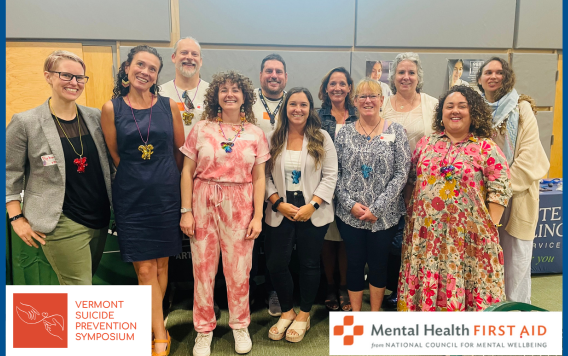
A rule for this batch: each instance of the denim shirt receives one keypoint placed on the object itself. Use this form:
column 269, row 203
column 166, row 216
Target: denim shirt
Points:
column 328, row 122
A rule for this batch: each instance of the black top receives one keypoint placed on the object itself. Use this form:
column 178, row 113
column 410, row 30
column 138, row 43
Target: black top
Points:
column 328, row 122
column 86, row 200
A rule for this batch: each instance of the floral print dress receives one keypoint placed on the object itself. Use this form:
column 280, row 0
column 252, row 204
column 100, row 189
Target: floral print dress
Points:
column 451, row 258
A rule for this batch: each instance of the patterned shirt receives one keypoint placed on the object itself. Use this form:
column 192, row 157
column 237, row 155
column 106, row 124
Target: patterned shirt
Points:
column 388, row 156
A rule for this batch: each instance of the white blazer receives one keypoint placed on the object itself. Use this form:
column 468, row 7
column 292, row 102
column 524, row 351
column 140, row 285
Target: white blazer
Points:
column 315, row 181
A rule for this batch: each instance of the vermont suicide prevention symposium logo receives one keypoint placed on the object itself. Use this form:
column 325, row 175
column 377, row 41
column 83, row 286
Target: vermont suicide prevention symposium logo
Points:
column 40, row 320
column 340, row 330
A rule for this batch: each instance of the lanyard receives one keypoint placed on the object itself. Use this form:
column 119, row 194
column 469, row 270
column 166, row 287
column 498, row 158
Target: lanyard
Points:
column 272, row 115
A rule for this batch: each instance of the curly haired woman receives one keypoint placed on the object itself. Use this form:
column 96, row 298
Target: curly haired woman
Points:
column 517, row 135
column 223, row 180
column 451, row 258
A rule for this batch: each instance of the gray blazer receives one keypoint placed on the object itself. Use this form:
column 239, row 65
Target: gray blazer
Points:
column 316, row 181
column 30, row 135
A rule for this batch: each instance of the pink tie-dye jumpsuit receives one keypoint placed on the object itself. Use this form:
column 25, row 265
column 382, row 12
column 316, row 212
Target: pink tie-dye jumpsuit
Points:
column 222, row 209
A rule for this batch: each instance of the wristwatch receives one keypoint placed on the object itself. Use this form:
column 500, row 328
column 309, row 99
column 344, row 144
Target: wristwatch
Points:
column 315, row 205
column 186, row 210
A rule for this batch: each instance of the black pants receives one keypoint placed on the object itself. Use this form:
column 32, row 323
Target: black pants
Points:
column 258, row 243
column 279, row 244
column 395, row 256
column 366, row 247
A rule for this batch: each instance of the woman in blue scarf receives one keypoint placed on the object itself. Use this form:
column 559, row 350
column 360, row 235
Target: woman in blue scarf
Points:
column 517, row 136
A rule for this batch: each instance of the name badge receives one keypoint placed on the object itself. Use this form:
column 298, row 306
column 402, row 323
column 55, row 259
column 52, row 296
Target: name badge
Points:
column 48, row 160
column 198, row 106
column 387, row 137
column 247, row 137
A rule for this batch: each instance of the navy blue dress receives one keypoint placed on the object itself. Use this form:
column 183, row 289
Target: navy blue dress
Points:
column 146, row 193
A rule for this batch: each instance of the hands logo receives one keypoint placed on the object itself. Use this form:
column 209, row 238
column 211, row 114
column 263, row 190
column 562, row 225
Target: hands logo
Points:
column 49, row 327
column 339, row 330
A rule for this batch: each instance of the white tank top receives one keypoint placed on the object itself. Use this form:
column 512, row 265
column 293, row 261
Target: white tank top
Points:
column 291, row 164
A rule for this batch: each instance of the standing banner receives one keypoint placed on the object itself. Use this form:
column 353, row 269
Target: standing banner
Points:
column 463, row 72
column 547, row 243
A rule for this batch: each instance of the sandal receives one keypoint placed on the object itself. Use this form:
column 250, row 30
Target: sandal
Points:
column 331, row 302
column 282, row 325
column 300, row 327
column 344, row 302
column 166, row 352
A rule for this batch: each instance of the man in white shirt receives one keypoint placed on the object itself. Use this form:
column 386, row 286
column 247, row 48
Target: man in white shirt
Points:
column 187, row 89
column 270, row 95
column 269, row 98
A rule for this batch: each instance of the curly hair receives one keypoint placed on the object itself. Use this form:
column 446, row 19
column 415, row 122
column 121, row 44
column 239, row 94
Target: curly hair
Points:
column 324, row 97
column 508, row 81
column 481, row 119
column 212, row 94
column 119, row 90
column 311, row 131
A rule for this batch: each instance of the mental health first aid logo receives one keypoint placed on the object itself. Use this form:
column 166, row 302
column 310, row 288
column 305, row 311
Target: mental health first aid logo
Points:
column 40, row 320
column 347, row 330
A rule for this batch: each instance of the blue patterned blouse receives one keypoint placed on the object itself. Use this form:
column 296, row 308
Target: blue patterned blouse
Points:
column 386, row 160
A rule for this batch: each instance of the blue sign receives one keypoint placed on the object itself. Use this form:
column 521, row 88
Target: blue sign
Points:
column 547, row 245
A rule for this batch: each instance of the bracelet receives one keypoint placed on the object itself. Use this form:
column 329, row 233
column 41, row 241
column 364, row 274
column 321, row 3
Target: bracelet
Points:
column 16, row 217
column 276, row 203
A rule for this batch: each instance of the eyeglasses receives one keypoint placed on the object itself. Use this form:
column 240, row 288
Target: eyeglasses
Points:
column 364, row 97
column 187, row 101
column 83, row 79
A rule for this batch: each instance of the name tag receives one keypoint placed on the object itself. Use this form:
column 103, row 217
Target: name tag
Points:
column 387, row 137
column 198, row 106
column 247, row 137
column 48, row 160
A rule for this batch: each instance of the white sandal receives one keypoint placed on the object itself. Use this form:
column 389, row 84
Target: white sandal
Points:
column 282, row 325
column 300, row 327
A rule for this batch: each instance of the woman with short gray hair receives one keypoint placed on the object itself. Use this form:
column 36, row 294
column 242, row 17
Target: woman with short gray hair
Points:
column 414, row 110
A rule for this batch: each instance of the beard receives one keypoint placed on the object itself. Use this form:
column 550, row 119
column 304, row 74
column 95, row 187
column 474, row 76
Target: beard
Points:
column 187, row 73
column 273, row 92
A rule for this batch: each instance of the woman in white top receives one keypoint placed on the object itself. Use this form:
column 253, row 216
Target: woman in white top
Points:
column 414, row 110
column 301, row 175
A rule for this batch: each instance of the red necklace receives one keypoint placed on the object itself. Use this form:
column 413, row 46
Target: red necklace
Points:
column 81, row 162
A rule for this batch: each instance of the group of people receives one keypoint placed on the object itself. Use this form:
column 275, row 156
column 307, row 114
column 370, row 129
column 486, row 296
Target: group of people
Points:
column 439, row 198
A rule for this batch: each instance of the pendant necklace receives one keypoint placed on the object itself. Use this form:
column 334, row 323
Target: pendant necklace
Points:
column 81, row 162
column 187, row 103
column 227, row 145
column 449, row 169
column 146, row 149
column 411, row 103
column 367, row 169
column 296, row 173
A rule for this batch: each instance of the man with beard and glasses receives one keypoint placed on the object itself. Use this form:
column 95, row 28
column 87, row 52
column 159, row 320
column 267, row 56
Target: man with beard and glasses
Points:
column 188, row 89
column 268, row 102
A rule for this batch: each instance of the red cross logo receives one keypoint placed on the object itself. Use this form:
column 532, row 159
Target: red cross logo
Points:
column 338, row 330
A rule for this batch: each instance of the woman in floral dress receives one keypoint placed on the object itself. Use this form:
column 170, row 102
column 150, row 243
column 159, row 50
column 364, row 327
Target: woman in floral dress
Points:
column 451, row 258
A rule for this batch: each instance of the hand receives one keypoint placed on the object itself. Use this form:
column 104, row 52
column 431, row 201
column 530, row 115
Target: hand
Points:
column 304, row 213
column 23, row 229
column 368, row 216
column 358, row 210
column 254, row 229
column 187, row 224
column 288, row 210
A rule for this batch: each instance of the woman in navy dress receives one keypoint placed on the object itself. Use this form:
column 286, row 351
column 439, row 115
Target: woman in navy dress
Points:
column 143, row 132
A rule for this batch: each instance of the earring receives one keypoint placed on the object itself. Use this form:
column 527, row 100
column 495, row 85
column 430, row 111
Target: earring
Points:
column 441, row 123
column 243, row 118
column 219, row 114
column 125, row 82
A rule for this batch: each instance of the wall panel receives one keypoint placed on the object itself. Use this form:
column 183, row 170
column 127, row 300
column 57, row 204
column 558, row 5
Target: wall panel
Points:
column 435, row 23
column 305, row 68
column 536, row 76
column 98, row 60
column 252, row 22
column 26, row 87
column 135, row 20
column 539, row 24
column 545, row 121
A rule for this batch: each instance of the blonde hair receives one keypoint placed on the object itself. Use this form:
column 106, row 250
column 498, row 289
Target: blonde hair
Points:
column 370, row 84
column 56, row 56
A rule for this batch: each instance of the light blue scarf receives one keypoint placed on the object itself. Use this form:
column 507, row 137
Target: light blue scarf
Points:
column 507, row 108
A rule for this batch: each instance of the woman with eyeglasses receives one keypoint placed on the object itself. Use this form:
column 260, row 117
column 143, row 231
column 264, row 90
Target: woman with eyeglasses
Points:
column 56, row 154
column 374, row 160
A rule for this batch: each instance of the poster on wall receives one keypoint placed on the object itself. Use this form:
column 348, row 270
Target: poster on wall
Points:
column 379, row 71
column 463, row 72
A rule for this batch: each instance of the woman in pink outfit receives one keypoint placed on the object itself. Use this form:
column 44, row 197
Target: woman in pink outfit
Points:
column 223, row 180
